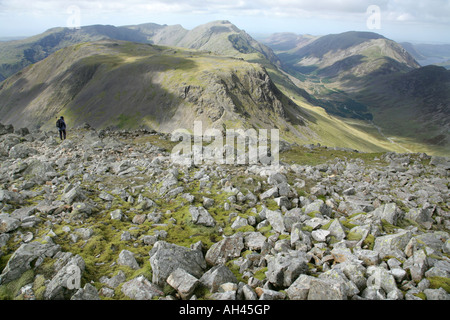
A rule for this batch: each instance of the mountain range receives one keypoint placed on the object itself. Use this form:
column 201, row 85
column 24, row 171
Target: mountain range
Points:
column 374, row 78
column 356, row 89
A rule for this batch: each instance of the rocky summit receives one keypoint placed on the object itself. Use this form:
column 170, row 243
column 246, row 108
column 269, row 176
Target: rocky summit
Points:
column 109, row 215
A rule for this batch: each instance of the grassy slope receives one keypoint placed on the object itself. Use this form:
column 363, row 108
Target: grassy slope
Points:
column 169, row 71
column 322, row 128
column 128, row 84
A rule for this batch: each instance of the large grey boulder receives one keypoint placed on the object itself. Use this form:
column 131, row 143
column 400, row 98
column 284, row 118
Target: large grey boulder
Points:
column 126, row 258
column 268, row 294
column 441, row 162
column 276, row 220
column 299, row 290
column 114, row 281
column 28, row 256
column 336, row 274
column 201, row 216
column 284, row 268
column 337, row 230
column 254, row 240
column 183, row 282
column 368, row 257
column 89, row 292
column 41, row 170
column 165, row 258
column 6, row 129
column 436, row 294
column 326, row 289
column 7, row 196
column 389, row 212
column 318, row 206
column 392, row 243
column 67, row 280
column 380, row 278
column 21, row 151
column 74, row 194
column 8, row 223
column 216, row 276
column 225, row 250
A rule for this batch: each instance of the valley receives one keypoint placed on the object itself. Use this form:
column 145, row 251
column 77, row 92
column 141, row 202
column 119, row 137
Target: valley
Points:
column 351, row 204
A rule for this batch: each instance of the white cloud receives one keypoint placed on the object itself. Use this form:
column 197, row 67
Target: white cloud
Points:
column 421, row 9
column 351, row 13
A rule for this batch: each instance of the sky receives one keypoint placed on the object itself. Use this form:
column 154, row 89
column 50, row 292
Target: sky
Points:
column 418, row 21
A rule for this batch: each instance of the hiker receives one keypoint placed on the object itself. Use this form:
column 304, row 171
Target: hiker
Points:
column 61, row 125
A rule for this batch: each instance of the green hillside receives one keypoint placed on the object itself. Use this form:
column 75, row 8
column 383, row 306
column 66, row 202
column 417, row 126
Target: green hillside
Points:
column 364, row 76
column 130, row 85
column 348, row 90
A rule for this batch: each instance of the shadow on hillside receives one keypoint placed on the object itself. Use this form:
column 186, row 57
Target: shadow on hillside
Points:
column 101, row 90
column 124, row 93
column 15, row 98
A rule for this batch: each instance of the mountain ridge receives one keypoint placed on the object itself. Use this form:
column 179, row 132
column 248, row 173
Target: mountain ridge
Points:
column 15, row 55
column 146, row 77
column 368, row 76
column 349, row 64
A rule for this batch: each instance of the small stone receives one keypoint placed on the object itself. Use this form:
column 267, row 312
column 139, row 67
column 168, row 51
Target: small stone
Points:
column 126, row 258
column 183, row 282
column 140, row 289
column 320, row 235
column 327, row 289
column 139, row 218
column 201, row 216
column 116, row 214
column 217, row 276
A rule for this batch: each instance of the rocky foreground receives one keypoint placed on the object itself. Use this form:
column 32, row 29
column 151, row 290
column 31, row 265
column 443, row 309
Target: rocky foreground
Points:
column 108, row 215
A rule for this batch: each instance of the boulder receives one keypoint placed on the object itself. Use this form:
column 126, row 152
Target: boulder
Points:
column 67, row 280
column 239, row 222
column 225, row 250
column 271, row 193
column 380, row 278
column 284, row 268
column 126, row 258
column 21, row 151
column 216, row 276
column 276, row 220
column 436, row 294
column 26, row 257
column 299, row 290
column 389, row 212
column 183, row 282
column 441, row 162
column 368, row 257
column 318, row 206
column 6, row 129
column 8, row 223
column 140, row 288
column 165, row 258
column 320, row 235
column 268, row 294
column 201, row 216
column 326, row 289
column 392, row 244
column 89, row 292
column 254, row 241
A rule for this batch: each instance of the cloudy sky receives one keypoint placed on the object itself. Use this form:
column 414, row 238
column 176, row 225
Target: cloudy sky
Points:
column 401, row 20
